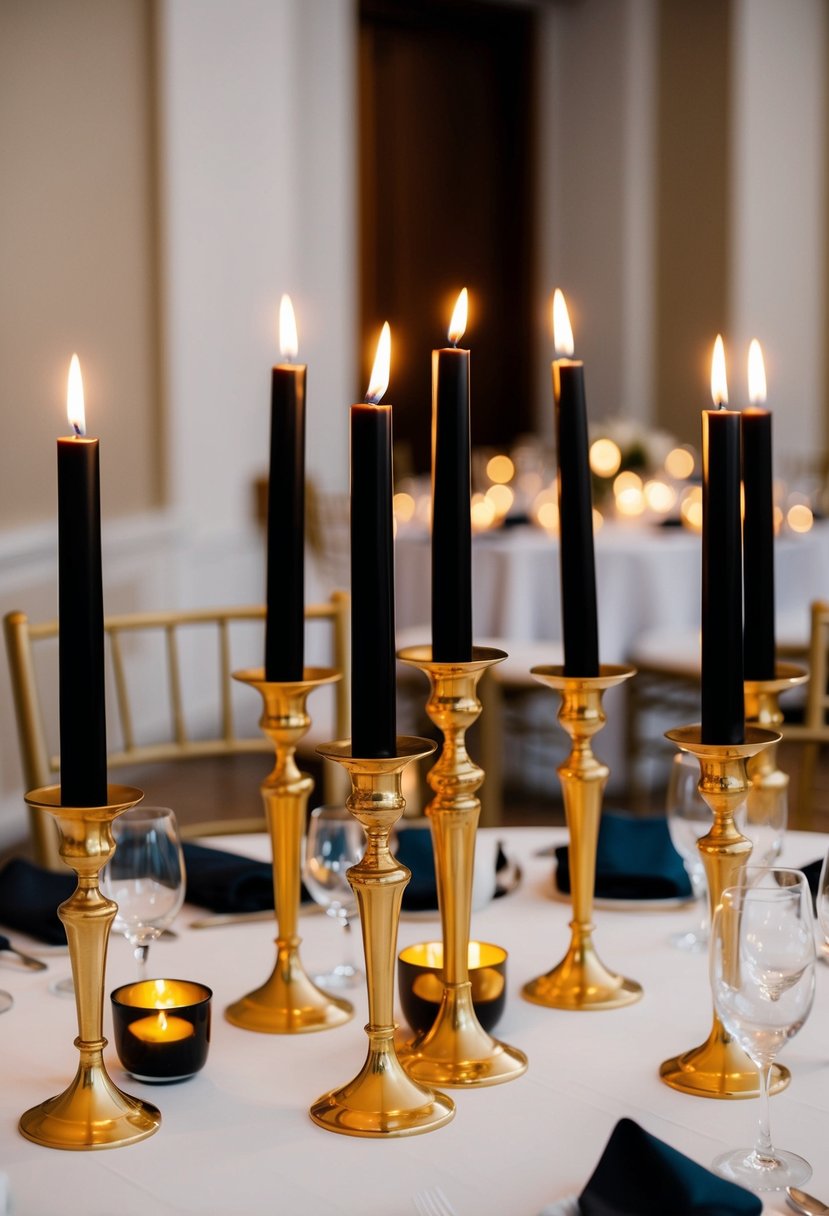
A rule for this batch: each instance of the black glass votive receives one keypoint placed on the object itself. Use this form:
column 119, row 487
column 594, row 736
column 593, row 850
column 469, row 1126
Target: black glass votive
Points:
column 420, row 982
column 162, row 1028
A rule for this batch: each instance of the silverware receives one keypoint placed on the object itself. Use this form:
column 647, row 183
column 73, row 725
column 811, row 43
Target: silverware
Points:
column 34, row 964
column 804, row 1203
column 231, row 918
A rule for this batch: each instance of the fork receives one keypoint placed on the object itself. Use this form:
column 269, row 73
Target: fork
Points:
column 433, row 1202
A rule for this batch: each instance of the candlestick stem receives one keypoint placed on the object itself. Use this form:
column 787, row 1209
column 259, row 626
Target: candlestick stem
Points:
column 581, row 980
column 381, row 1101
column 456, row 1050
column 768, row 792
column 288, row 1002
column 92, row 1112
column 719, row 1068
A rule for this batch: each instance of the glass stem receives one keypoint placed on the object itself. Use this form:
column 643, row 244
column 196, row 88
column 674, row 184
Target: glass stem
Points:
column 763, row 1149
column 348, row 952
column 140, row 951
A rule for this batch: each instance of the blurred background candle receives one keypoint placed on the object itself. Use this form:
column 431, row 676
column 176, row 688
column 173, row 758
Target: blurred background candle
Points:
column 578, row 573
column 758, row 525
column 373, row 690
column 451, row 491
column 83, row 770
column 723, row 709
column 285, row 618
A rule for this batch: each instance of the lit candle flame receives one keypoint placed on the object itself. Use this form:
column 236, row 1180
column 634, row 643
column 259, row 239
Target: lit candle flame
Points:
column 719, row 384
column 288, row 341
column 162, row 1021
column 74, row 398
column 756, row 374
column 562, row 329
column 457, row 326
column 379, row 381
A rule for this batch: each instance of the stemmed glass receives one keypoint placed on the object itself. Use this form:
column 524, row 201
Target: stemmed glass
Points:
column 763, row 983
column 335, row 841
column 688, row 819
column 822, row 903
column 764, row 823
column 145, row 877
column 6, row 1000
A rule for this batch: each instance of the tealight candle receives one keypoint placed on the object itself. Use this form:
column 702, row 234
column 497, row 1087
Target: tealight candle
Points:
column 162, row 1028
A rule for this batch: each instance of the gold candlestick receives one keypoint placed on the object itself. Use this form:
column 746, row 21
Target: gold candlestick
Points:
column 718, row 1068
column 92, row 1112
column 289, row 1002
column 381, row 1100
column 768, row 784
column 581, row 980
column 456, row 1051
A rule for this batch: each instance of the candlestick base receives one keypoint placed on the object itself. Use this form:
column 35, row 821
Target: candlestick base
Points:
column 381, row 1101
column 288, row 1002
column 581, row 980
column 92, row 1113
column 718, row 1068
column 456, row 1051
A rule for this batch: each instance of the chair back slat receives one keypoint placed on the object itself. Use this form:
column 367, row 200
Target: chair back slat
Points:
column 122, row 698
column 174, row 678
column 226, row 692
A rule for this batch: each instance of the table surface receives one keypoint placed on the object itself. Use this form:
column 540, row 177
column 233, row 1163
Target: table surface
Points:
column 237, row 1137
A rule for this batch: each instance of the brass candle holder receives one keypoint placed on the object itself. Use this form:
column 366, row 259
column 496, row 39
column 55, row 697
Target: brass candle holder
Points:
column 581, row 980
column 719, row 1068
column 92, row 1112
column 381, row 1101
column 768, row 784
column 456, row 1050
column 289, row 1002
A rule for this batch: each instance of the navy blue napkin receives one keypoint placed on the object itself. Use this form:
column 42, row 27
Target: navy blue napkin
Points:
column 635, row 859
column 413, row 848
column 640, row 1175
column 812, row 874
column 29, row 899
column 226, row 882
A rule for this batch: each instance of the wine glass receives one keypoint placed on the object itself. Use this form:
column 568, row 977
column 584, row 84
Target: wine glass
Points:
column 6, row 1000
column 764, row 823
column 145, row 877
column 763, row 983
column 335, row 841
column 689, row 817
column 822, row 904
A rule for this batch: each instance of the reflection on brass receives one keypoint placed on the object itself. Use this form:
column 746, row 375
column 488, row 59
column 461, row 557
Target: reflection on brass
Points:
column 92, row 1112
column 381, row 1101
column 718, row 1068
column 768, row 784
column 456, row 1050
column 288, row 1002
column 581, row 980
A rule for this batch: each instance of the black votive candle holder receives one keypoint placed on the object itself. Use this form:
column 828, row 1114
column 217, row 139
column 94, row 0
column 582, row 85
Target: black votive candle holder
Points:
column 162, row 1028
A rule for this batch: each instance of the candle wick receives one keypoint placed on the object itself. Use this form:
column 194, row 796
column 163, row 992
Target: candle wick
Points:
column 76, row 429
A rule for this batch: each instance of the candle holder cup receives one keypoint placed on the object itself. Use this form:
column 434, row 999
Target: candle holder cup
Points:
column 288, row 1002
column 92, row 1113
column 456, row 1050
column 719, row 1068
column 382, row 1100
column 768, row 784
column 581, row 980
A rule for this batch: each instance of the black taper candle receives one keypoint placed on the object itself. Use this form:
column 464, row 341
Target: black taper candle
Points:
column 451, row 523
column 83, row 767
column 758, row 545
column 373, row 673
column 579, row 620
column 723, row 707
column 285, row 617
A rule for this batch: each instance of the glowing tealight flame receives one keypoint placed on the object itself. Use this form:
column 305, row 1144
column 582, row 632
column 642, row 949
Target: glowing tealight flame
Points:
column 799, row 517
column 162, row 1021
column 403, row 506
column 690, row 508
column 457, row 326
column 74, row 398
column 562, row 329
column 659, row 496
column 482, row 513
column 500, row 469
column 605, row 457
column 501, row 497
column 379, row 381
column 756, row 373
column 288, row 341
column 719, row 384
column 679, row 463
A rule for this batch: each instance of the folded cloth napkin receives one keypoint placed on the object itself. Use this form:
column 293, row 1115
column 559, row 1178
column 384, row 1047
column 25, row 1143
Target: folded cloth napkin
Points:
column 29, row 899
column 414, row 849
column 635, row 859
column 812, row 873
column 226, row 882
column 639, row 1175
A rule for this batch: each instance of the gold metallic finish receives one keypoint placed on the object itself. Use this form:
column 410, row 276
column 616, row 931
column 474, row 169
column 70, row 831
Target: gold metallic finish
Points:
column 581, row 980
column 92, row 1112
column 768, row 784
column 381, row 1101
column 718, row 1068
column 288, row 1002
column 456, row 1051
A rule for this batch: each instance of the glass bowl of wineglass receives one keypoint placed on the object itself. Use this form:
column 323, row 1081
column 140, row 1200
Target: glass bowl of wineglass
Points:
column 335, row 841
column 145, row 877
column 763, row 983
column 689, row 817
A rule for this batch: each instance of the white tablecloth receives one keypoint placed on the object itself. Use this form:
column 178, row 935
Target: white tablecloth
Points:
column 237, row 1138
